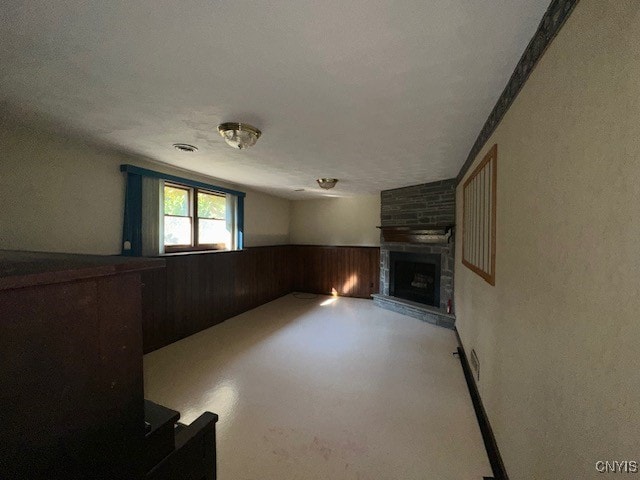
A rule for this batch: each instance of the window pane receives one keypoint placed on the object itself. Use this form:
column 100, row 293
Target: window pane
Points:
column 177, row 230
column 176, row 201
column 213, row 231
column 211, row 206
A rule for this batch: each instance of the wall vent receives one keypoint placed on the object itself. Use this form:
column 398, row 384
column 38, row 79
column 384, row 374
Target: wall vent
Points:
column 475, row 364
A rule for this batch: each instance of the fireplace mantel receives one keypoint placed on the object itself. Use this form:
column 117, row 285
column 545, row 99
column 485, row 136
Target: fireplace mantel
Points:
column 417, row 233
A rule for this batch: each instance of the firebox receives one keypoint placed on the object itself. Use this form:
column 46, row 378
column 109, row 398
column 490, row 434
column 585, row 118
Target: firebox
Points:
column 415, row 276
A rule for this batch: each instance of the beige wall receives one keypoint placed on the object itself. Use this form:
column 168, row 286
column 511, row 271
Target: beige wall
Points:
column 336, row 221
column 558, row 337
column 60, row 194
column 266, row 219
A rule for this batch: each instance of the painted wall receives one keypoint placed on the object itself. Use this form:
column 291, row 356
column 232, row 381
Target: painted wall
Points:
column 266, row 219
column 61, row 194
column 336, row 221
column 558, row 335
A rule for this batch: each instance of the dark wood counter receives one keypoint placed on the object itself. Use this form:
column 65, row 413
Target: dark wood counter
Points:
column 27, row 269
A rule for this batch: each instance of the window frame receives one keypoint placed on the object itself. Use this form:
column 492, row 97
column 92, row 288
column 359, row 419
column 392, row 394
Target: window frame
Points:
column 475, row 217
column 195, row 245
column 132, row 222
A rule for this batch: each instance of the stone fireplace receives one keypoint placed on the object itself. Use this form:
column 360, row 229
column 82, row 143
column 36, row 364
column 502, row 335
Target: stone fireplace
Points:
column 417, row 251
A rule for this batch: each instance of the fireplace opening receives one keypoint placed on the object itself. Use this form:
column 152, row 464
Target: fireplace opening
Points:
column 416, row 277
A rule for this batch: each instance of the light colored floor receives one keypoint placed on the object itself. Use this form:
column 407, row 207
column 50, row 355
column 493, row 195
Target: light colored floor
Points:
column 328, row 388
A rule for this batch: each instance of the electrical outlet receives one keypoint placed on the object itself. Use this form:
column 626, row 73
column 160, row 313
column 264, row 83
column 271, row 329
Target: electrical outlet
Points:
column 475, row 364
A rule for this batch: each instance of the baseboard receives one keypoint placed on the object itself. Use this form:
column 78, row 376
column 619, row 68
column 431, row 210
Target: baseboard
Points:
column 495, row 459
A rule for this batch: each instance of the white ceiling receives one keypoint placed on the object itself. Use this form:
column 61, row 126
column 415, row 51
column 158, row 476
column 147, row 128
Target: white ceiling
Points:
column 380, row 94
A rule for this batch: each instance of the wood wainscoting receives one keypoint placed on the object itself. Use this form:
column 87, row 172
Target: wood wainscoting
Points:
column 350, row 271
column 199, row 290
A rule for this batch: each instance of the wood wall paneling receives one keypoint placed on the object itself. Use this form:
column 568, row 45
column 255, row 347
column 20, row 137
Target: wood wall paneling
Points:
column 155, row 321
column 351, row 271
column 197, row 291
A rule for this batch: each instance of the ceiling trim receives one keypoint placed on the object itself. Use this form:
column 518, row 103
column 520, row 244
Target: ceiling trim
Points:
column 551, row 23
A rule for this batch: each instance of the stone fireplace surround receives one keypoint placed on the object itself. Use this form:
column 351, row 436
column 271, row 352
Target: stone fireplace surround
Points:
column 426, row 204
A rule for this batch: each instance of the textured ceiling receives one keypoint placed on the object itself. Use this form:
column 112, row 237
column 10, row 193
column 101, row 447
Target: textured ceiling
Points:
column 380, row 94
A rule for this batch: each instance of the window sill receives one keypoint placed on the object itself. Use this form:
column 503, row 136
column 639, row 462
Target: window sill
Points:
column 197, row 252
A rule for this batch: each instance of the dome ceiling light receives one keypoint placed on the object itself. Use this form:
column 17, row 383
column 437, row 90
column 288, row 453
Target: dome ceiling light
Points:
column 327, row 183
column 239, row 135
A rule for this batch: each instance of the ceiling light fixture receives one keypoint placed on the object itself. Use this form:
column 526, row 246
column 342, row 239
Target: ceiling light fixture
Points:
column 185, row 147
column 239, row 135
column 327, row 183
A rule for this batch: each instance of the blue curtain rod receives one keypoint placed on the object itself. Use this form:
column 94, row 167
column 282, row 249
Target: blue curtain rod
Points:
column 172, row 178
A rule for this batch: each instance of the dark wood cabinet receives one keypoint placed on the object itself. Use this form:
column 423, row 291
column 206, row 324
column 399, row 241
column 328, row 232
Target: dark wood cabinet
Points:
column 71, row 399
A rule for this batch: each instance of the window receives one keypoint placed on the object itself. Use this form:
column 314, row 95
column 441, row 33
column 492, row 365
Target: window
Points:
column 165, row 213
column 195, row 219
column 479, row 218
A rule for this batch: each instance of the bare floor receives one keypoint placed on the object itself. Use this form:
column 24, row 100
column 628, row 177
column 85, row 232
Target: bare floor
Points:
column 325, row 388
